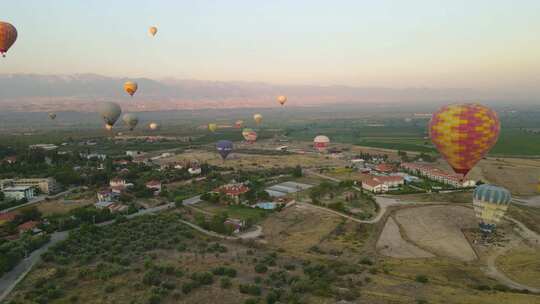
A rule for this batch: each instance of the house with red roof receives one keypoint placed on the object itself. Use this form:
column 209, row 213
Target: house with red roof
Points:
column 385, row 168
column 7, row 217
column 233, row 191
column 28, row 226
column 10, row 159
column 381, row 184
column 155, row 186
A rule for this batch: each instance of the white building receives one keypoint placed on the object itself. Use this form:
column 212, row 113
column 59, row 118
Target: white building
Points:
column 19, row 192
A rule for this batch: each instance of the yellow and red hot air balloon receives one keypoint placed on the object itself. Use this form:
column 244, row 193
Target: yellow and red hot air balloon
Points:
column 152, row 31
column 130, row 87
column 282, row 99
column 249, row 135
column 8, row 36
column 464, row 133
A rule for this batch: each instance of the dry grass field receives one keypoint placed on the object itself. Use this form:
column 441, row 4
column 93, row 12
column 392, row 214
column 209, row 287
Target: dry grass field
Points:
column 61, row 206
column 438, row 229
column 522, row 264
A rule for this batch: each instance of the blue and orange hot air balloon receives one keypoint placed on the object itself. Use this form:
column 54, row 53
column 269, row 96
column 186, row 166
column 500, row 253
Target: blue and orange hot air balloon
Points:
column 464, row 133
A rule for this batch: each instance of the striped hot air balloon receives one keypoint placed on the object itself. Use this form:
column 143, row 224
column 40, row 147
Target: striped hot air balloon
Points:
column 464, row 133
column 490, row 204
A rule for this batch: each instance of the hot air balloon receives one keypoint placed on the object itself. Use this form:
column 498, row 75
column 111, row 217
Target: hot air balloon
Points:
column 490, row 204
column 52, row 116
column 282, row 99
column 258, row 118
column 130, row 87
column 464, row 133
column 224, row 148
column 212, row 127
column 8, row 36
column 152, row 31
column 238, row 124
column 131, row 120
column 110, row 112
column 154, row 126
column 321, row 143
column 249, row 135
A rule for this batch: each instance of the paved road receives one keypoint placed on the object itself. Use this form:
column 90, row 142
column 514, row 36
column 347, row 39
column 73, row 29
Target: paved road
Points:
column 530, row 202
column 39, row 199
column 9, row 280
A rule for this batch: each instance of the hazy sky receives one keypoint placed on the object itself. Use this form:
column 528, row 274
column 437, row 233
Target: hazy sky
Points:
column 400, row 43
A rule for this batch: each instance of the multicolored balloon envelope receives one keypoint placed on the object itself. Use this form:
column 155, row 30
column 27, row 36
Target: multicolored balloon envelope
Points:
column 258, row 118
column 321, row 142
column 464, row 133
column 282, row 99
column 224, row 148
column 249, row 135
column 490, row 204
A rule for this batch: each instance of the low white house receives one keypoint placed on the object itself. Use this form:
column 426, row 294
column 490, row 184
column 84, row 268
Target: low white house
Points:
column 374, row 186
column 19, row 192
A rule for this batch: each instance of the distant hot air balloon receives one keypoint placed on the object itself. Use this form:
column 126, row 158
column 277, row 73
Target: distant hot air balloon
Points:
column 110, row 112
column 212, row 127
column 238, row 124
column 154, row 126
column 130, row 87
column 8, row 36
column 464, row 133
column 131, row 120
column 490, row 204
column 52, row 116
column 258, row 118
column 152, row 31
column 224, row 148
column 249, row 135
column 321, row 143
column 282, row 99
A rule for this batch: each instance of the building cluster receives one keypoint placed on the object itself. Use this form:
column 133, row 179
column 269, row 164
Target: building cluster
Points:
column 381, row 177
column 436, row 174
column 25, row 188
column 232, row 191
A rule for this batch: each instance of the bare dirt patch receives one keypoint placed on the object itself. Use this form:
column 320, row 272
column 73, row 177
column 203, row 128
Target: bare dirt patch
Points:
column 438, row 229
column 391, row 244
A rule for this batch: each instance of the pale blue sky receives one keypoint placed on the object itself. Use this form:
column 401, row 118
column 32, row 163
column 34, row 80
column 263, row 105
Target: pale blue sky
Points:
column 400, row 43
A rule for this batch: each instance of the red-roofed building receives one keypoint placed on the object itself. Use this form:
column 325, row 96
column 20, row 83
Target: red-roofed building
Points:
column 381, row 184
column 154, row 185
column 233, row 190
column 7, row 217
column 385, row 168
column 10, row 159
column 439, row 175
column 28, row 226
column 374, row 186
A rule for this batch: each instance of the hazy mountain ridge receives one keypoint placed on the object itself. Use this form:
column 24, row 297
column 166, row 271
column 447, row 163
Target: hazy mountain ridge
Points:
column 31, row 92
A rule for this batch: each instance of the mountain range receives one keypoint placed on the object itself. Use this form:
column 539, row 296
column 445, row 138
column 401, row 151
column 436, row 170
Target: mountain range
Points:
column 81, row 92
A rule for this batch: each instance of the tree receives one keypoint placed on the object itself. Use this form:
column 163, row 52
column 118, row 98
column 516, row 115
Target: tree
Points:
column 297, row 172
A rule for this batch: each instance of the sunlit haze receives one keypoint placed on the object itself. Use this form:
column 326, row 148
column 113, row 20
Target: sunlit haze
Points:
column 436, row 44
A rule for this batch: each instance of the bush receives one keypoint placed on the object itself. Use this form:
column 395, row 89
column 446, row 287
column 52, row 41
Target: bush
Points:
column 251, row 301
column 501, row 288
column 422, row 279
column 366, row 261
column 261, row 268
column 203, row 278
column 188, row 287
column 225, row 283
column 250, row 289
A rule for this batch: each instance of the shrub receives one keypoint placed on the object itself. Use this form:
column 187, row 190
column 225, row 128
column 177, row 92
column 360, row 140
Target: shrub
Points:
column 366, row 261
column 501, row 288
column 225, row 283
column 250, row 289
column 188, row 287
column 203, row 278
column 422, row 279
column 261, row 268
